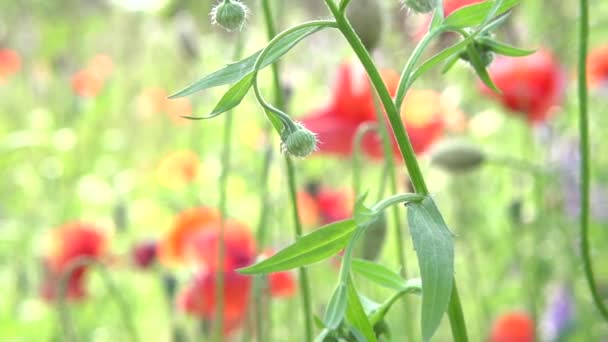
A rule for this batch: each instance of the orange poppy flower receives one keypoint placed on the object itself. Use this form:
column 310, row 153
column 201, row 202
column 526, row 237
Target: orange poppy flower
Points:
column 176, row 108
column 597, row 67
column 68, row 244
column 10, row 63
column 102, row 65
column 513, row 327
column 87, row 83
column 172, row 247
column 151, row 101
column 178, row 169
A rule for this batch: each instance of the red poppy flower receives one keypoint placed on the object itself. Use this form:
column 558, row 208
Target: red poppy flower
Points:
column 353, row 105
column 144, row 253
column 70, row 243
column 177, row 169
column 334, row 205
column 87, row 83
column 597, row 67
column 198, row 299
column 513, row 327
column 529, row 85
column 281, row 284
column 10, row 62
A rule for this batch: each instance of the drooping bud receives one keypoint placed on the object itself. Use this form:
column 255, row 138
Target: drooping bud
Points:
column 483, row 50
column 229, row 14
column 421, row 6
column 371, row 246
column 457, row 156
column 299, row 142
column 366, row 18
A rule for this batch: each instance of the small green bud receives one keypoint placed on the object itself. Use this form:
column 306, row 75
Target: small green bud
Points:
column 457, row 156
column 229, row 14
column 366, row 18
column 300, row 142
column 483, row 50
column 371, row 246
column 421, row 6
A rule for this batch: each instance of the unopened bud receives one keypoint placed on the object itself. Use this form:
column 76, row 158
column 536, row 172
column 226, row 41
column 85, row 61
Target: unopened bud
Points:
column 421, row 6
column 230, row 14
column 366, row 18
column 300, row 142
column 457, row 156
column 371, row 246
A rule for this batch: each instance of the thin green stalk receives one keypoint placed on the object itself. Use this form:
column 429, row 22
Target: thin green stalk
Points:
column 405, row 146
column 223, row 184
column 303, row 276
column 584, row 151
column 291, row 178
column 356, row 160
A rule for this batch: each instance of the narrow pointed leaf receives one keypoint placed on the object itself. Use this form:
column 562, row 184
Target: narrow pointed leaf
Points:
column 475, row 14
column 235, row 71
column 356, row 316
column 336, row 308
column 434, row 247
column 308, row 249
column 231, row 98
column 505, row 49
column 379, row 274
column 480, row 69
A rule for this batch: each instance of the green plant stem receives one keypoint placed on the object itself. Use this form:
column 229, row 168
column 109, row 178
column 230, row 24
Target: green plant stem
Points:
column 357, row 154
column 584, row 152
column 291, row 177
column 303, row 275
column 223, row 184
column 405, row 146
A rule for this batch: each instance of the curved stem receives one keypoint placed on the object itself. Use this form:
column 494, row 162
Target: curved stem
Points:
column 584, row 151
column 405, row 146
column 356, row 160
column 291, row 173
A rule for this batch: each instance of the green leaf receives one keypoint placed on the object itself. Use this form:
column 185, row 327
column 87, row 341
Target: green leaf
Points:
column 379, row 274
column 231, row 98
column 475, row 14
column 480, row 69
column 235, row 71
column 505, row 49
column 434, row 247
column 356, row 316
column 438, row 58
column 308, row 249
column 336, row 307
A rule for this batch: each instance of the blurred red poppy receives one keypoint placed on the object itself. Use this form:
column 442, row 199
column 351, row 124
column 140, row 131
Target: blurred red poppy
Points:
column 172, row 247
column 353, row 105
column 144, row 253
column 10, row 63
column 597, row 67
column 71, row 242
column 281, row 284
column 87, row 83
column 513, row 327
column 529, row 85
column 198, row 299
column 323, row 205
column 177, row 169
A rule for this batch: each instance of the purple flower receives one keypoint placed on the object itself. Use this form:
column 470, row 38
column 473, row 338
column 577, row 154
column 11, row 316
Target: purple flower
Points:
column 558, row 315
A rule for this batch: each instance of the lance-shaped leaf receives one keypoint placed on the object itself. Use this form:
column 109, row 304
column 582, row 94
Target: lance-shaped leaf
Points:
column 434, row 247
column 236, row 71
column 480, row 68
column 308, row 249
column 336, row 307
column 475, row 14
column 355, row 314
column 379, row 274
column 505, row 49
column 231, row 98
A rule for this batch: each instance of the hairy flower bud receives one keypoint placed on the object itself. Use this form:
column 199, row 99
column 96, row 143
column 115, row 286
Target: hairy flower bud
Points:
column 300, row 142
column 457, row 156
column 366, row 18
column 421, row 6
column 230, row 14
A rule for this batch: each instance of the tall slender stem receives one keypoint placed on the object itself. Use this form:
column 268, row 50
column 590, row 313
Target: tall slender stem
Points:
column 291, row 179
column 584, row 151
column 405, row 146
column 223, row 183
